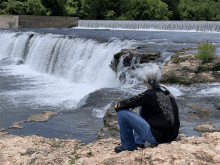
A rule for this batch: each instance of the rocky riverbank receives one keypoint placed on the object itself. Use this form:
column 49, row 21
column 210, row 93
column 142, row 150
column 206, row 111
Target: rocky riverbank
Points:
column 16, row 150
column 185, row 68
column 39, row 150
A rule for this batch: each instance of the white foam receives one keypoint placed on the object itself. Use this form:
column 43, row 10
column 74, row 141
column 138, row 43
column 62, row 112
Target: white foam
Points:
column 149, row 29
column 45, row 90
column 100, row 113
column 210, row 91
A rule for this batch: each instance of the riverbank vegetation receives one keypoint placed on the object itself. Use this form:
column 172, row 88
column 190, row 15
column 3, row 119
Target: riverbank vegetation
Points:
column 195, row 10
column 206, row 51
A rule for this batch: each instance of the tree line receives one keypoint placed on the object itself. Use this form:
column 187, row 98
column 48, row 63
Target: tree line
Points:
column 208, row 10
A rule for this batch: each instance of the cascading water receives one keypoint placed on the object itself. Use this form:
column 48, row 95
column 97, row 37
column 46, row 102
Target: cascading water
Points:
column 161, row 25
column 78, row 60
column 83, row 65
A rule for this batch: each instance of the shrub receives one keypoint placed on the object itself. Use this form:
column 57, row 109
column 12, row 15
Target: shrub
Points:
column 205, row 51
column 175, row 59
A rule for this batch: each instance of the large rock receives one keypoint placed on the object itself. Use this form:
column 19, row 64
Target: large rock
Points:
column 45, row 116
column 39, row 150
column 185, row 68
column 134, row 56
column 11, row 61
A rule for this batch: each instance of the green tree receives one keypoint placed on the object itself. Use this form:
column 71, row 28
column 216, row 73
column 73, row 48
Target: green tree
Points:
column 34, row 7
column 72, row 8
column 91, row 9
column 13, row 7
column 215, row 8
column 172, row 6
column 190, row 10
column 56, row 7
column 147, row 10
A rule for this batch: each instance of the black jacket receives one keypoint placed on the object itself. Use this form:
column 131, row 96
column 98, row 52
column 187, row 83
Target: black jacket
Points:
column 160, row 110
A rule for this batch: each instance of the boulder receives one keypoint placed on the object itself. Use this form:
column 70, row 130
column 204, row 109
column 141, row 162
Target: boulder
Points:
column 45, row 116
column 186, row 69
column 134, row 56
column 207, row 127
column 110, row 120
column 11, row 61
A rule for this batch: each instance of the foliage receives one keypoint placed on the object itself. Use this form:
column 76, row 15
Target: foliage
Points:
column 34, row 7
column 147, row 10
column 175, row 58
column 117, row 9
column 205, row 51
column 90, row 9
column 198, row 10
column 72, row 8
column 56, row 7
column 13, row 7
column 172, row 6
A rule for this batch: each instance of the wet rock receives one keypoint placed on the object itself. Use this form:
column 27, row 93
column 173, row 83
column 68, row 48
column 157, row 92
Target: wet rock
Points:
column 199, row 111
column 110, row 120
column 11, row 61
column 217, row 106
column 32, row 35
column 207, row 127
column 102, row 29
column 134, row 56
column 2, row 129
column 185, row 68
column 45, row 116
column 15, row 125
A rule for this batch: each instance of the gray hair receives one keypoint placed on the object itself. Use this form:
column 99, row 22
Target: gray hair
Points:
column 151, row 71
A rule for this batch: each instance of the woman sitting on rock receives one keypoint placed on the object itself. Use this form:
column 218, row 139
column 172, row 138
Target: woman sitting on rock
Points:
column 158, row 120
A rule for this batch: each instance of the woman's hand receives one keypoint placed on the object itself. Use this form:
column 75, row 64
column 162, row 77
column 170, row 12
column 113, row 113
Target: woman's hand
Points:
column 116, row 105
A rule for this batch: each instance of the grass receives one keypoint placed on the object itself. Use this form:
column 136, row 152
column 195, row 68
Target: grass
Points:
column 33, row 160
column 205, row 51
column 55, row 145
column 76, row 156
column 152, row 146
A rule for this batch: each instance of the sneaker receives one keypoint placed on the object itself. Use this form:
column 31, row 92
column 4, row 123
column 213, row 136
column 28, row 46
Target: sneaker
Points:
column 119, row 149
column 140, row 145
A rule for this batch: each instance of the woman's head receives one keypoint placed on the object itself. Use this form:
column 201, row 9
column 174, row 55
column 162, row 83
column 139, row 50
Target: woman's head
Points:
column 151, row 75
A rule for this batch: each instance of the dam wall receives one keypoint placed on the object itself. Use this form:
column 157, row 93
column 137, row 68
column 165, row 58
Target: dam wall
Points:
column 32, row 21
column 9, row 21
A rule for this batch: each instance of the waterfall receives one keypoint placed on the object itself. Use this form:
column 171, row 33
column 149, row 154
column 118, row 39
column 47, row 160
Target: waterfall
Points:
column 78, row 60
column 161, row 25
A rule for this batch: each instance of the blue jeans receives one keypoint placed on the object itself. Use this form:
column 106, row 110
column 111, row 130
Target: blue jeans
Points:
column 128, row 121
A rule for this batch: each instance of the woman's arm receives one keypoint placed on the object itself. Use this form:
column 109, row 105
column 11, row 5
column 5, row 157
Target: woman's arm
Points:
column 135, row 101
